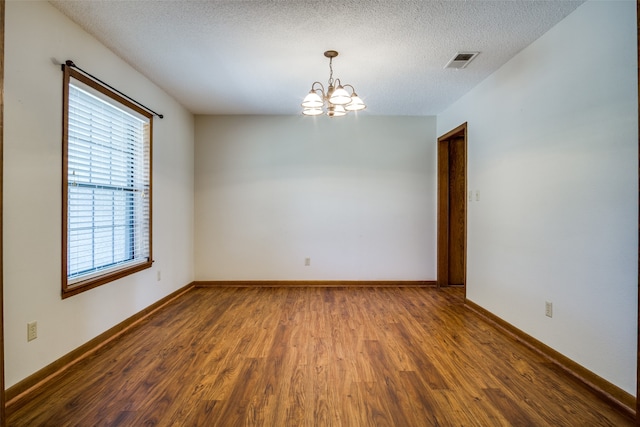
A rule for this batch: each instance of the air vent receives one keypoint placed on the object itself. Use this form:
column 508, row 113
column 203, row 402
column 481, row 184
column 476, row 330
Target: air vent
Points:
column 461, row 60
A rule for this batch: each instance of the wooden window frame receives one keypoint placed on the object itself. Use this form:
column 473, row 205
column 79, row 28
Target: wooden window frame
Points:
column 118, row 273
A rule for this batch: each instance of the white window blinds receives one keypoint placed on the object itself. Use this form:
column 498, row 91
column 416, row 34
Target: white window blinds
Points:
column 108, row 174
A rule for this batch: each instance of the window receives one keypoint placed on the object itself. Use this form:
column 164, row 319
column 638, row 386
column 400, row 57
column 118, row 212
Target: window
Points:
column 106, row 185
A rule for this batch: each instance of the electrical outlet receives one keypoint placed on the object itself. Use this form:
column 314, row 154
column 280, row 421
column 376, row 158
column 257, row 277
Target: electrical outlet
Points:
column 32, row 331
column 548, row 309
column 159, row 276
column 307, row 262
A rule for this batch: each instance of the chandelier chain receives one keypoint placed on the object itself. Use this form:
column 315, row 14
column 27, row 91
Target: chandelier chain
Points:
column 330, row 71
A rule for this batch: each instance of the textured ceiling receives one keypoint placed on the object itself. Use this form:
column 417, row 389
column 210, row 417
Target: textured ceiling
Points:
column 260, row 57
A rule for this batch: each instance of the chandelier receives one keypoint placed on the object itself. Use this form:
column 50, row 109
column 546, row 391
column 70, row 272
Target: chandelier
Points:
column 336, row 100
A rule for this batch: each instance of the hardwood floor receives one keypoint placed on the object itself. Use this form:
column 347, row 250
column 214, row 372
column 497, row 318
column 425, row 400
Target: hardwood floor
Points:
column 316, row 357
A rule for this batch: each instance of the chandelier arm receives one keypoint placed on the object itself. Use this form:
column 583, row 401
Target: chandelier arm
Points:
column 353, row 90
column 321, row 88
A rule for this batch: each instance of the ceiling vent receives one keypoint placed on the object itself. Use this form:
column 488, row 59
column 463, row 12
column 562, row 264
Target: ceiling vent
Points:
column 461, row 60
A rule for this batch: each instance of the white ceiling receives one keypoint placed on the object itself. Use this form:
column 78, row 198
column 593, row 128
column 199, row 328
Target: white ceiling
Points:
column 261, row 56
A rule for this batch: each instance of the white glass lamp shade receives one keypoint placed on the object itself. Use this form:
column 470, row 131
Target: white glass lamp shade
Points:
column 312, row 100
column 340, row 96
column 312, row 111
column 356, row 104
column 336, row 111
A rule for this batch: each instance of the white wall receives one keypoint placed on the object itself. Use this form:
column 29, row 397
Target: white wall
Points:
column 355, row 194
column 36, row 36
column 553, row 150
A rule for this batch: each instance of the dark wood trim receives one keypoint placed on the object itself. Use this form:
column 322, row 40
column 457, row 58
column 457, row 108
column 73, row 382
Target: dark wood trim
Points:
column 20, row 393
column 312, row 283
column 2, row 393
column 105, row 91
column 80, row 287
column 66, row 76
column 443, row 214
column 93, row 282
column 454, row 132
column 443, row 203
column 609, row 392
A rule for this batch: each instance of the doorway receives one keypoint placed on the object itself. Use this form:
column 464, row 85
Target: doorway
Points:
column 452, row 208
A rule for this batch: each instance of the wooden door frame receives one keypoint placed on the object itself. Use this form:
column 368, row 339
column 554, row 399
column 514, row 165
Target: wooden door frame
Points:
column 443, row 205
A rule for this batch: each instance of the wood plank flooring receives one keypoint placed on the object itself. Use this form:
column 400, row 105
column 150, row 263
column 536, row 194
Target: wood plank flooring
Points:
column 316, row 357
